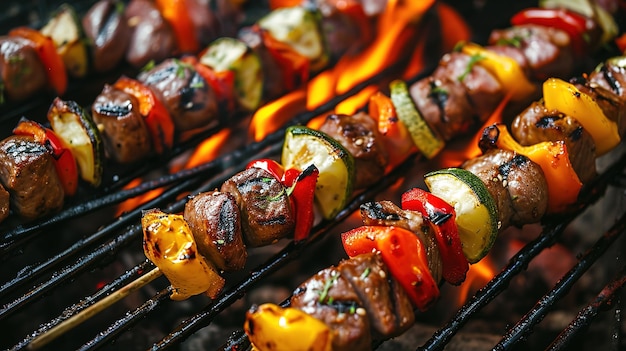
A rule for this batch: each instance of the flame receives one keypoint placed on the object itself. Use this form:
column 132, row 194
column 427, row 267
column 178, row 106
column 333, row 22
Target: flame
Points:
column 272, row 115
column 136, row 201
column 477, row 276
column 208, row 150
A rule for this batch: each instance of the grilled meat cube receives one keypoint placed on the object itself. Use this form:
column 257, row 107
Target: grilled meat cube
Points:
column 152, row 36
column 205, row 21
column 483, row 88
column 125, row 134
column 5, row 205
column 215, row 222
column 389, row 309
column 358, row 133
column 515, row 182
column 329, row 297
column 547, row 50
column 445, row 105
column 536, row 124
column 190, row 100
column 27, row 171
column 610, row 75
column 266, row 212
column 21, row 72
column 613, row 107
column 386, row 213
column 108, row 32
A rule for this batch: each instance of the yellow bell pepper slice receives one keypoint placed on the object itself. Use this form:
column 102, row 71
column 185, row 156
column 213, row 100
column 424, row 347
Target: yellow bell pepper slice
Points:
column 169, row 244
column 553, row 158
column 507, row 71
column 566, row 98
column 273, row 328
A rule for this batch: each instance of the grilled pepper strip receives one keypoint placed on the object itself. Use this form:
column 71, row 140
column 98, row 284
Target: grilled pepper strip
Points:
column 47, row 52
column 563, row 182
column 442, row 220
column 566, row 98
column 403, row 253
column 64, row 161
column 176, row 14
column 169, row 244
column 297, row 330
column 302, row 185
column 154, row 112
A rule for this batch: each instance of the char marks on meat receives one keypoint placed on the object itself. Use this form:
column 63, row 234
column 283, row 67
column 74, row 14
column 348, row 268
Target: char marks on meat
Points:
column 124, row 130
column 190, row 100
column 358, row 133
column 107, row 29
column 215, row 222
column 27, row 171
column 266, row 211
column 22, row 73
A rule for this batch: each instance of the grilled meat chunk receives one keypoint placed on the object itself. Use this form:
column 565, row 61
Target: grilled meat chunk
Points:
column 329, row 297
column 27, row 171
column 386, row 213
column 536, row 124
column 445, row 105
column 5, row 205
column 389, row 309
column 152, row 36
column 106, row 27
column 610, row 75
column 266, row 212
column 547, row 50
column 613, row 107
column 190, row 100
column 215, row 222
column 124, row 131
column 517, row 185
column 21, row 72
column 358, row 133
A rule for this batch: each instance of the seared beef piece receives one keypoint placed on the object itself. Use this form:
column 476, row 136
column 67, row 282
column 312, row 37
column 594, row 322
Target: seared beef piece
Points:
column 205, row 21
column 190, row 100
column 611, row 76
column 389, row 309
column 536, row 124
column 215, row 222
column 386, row 213
column 152, row 36
column 342, row 31
column 613, row 107
column 4, row 203
column 483, row 89
column 27, row 171
column 266, row 214
column 547, row 50
column 358, row 133
column 517, row 184
column 275, row 83
column 124, row 131
column 21, row 72
column 514, row 52
column 329, row 297
column 107, row 30
column 445, row 106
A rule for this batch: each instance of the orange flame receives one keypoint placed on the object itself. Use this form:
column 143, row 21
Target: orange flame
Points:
column 208, row 150
column 136, row 201
column 477, row 276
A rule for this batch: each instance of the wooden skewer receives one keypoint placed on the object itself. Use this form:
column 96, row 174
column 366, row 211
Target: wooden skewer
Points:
column 70, row 323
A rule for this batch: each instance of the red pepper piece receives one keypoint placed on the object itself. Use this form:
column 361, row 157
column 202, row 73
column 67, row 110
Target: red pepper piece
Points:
column 403, row 253
column 303, row 196
column 154, row 112
column 295, row 67
column 442, row 220
column 223, row 83
column 64, row 161
column 47, row 52
column 275, row 168
column 577, row 26
column 176, row 13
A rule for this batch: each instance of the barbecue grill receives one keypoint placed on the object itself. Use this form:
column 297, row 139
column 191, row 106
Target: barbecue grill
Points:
column 61, row 265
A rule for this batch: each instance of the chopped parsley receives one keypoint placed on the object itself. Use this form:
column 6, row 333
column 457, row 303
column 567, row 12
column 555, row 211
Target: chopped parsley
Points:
column 516, row 41
column 473, row 60
column 327, row 285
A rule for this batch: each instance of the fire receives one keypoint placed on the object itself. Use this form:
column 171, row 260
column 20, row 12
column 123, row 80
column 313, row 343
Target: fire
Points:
column 135, row 202
column 477, row 276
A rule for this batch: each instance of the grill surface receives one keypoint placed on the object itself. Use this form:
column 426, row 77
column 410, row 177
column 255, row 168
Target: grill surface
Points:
column 103, row 256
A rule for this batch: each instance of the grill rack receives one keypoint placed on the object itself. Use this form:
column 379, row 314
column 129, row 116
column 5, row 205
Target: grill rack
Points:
column 204, row 317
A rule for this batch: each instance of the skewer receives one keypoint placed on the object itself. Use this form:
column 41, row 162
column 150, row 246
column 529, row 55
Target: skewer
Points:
column 82, row 316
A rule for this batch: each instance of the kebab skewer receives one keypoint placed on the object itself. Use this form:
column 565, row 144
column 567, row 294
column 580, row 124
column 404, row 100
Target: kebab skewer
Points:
column 157, row 219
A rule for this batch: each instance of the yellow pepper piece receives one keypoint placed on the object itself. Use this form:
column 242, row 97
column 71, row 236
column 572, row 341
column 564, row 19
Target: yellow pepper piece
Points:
column 507, row 71
column 273, row 328
column 566, row 98
column 169, row 244
column 553, row 158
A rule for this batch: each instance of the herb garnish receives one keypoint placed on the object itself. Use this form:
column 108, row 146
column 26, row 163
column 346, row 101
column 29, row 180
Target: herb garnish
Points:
column 327, row 285
column 473, row 60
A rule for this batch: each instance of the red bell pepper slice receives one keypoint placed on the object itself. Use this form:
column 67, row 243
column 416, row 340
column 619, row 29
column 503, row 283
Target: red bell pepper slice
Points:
column 294, row 66
column 403, row 253
column 303, row 196
column 223, row 83
column 175, row 12
column 272, row 166
column 442, row 220
column 575, row 25
column 47, row 52
column 64, row 161
column 155, row 114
